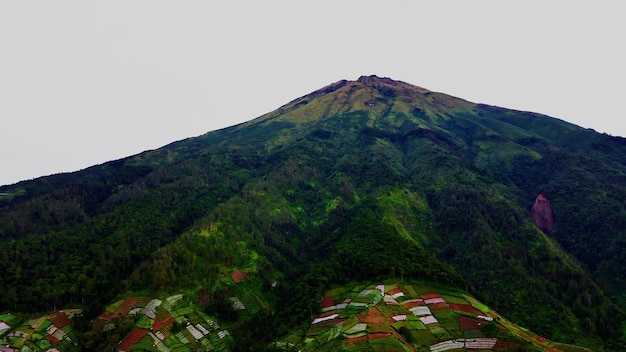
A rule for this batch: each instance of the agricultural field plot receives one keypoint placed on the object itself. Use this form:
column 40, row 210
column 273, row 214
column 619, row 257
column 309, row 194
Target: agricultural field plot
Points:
column 405, row 317
column 251, row 303
column 173, row 323
column 44, row 333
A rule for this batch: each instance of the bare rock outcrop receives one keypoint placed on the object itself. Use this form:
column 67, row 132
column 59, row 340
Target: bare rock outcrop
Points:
column 542, row 214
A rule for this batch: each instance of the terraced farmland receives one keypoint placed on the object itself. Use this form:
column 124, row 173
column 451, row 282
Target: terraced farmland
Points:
column 51, row 332
column 409, row 317
column 172, row 324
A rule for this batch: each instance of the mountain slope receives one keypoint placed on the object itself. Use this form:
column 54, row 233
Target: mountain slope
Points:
column 324, row 190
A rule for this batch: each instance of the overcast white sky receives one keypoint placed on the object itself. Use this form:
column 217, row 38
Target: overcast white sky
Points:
column 82, row 83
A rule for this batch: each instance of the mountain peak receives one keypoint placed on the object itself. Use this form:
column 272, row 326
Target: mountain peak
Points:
column 370, row 95
column 375, row 81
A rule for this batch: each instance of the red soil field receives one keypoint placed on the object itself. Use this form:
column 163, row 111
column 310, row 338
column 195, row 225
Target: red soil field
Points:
column 439, row 306
column 158, row 324
column 125, row 307
column 356, row 339
column 467, row 323
column 413, row 304
column 102, row 320
column 132, row 338
column 60, row 320
column 372, row 316
column 327, row 302
column 239, row 275
column 430, row 295
column 378, row 335
column 394, row 291
column 54, row 340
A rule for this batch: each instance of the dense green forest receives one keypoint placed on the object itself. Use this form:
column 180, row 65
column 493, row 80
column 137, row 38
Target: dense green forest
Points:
column 362, row 180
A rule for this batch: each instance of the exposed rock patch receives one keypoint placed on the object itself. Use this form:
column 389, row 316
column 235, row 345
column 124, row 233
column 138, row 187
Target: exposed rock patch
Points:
column 542, row 214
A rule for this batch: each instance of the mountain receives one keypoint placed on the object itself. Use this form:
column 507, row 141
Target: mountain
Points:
column 373, row 180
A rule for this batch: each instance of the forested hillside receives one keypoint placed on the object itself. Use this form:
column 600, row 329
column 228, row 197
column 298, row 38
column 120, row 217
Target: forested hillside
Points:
column 362, row 180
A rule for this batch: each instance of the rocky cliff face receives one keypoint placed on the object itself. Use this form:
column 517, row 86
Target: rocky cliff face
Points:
column 542, row 215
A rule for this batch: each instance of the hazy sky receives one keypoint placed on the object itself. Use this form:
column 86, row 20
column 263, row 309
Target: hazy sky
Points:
column 82, row 83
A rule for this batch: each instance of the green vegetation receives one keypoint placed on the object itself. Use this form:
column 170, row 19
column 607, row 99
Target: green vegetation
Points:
column 360, row 181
